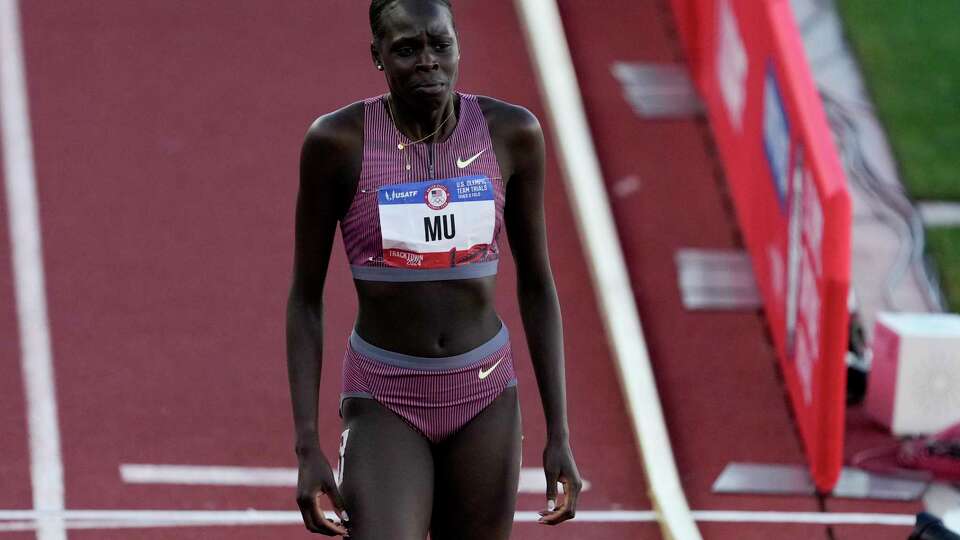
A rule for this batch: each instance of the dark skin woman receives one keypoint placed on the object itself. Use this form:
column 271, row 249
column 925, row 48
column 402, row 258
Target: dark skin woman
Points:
column 400, row 484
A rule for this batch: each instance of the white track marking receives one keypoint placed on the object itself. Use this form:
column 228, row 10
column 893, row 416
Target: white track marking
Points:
column 598, row 235
column 94, row 519
column 532, row 480
column 46, row 466
column 208, row 475
column 816, row 518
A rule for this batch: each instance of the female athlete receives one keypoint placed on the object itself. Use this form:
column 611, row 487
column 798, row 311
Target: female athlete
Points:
column 421, row 180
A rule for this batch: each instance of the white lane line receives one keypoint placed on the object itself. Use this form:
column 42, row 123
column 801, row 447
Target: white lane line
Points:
column 14, row 526
column 208, row 475
column 557, row 79
column 46, row 466
column 162, row 518
column 532, row 480
column 817, row 518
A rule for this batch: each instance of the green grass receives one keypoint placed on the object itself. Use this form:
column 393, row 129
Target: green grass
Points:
column 909, row 51
column 944, row 244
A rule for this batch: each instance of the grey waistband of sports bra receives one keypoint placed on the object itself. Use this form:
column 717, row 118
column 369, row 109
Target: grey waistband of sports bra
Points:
column 389, row 273
column 426, row 363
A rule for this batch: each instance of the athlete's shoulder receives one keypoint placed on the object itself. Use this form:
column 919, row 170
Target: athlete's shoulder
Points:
column 508, row 118
column 338, row 130
column 515, row 123
column 332, row 151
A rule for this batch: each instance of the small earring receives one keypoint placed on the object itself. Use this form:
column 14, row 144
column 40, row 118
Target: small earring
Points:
column 380, row 67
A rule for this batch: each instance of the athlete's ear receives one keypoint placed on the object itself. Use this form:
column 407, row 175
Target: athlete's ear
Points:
column 375, row 54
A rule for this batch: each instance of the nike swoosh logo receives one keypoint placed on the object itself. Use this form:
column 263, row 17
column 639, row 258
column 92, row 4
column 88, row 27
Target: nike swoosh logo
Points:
column 463, row 164
column 484, row 373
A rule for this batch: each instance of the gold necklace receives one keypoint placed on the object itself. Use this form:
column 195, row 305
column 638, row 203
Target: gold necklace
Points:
column 396, row 129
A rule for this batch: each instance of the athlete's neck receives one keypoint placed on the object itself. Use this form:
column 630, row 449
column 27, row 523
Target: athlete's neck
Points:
column 416, row 123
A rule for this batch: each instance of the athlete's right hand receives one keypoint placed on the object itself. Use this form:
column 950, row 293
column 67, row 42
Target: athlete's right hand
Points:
column 315, row 479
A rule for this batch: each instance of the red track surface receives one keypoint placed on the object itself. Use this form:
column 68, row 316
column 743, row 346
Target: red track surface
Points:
column 166, row 141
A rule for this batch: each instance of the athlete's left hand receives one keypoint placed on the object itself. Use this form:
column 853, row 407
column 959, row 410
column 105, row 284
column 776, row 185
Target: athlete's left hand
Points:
column 560, row 468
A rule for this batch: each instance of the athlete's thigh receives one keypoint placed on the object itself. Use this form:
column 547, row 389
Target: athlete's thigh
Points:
column 476, row 474
column 387, row 468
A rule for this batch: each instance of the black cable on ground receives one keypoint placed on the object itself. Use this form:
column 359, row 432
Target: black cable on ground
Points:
column 822, row 507
column 890, row 203
column 929, row 527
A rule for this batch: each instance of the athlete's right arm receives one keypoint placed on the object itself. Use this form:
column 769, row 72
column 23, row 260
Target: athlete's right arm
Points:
column 326, row 163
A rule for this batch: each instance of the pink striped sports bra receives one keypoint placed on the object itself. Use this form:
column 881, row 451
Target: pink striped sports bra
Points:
column 423, row 217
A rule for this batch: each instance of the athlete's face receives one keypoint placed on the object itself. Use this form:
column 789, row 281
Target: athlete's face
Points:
column 419, row 52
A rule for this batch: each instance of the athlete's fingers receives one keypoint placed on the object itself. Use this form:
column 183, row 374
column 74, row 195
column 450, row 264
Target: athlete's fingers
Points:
column 568, row 508
column 304, row 502
column 553, row 517
column 337, row 501
column 571, row 491
column 552, row 478
column 315, row 520
column 332, row 527
column 308, row 520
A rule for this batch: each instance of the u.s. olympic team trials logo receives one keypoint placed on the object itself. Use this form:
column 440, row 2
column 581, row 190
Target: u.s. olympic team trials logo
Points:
column 437, row 197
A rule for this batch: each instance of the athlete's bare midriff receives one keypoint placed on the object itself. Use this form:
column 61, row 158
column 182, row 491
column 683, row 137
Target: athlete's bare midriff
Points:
column 427, row 318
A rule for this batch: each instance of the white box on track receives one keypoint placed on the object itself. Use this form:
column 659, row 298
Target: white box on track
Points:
column 914, row 386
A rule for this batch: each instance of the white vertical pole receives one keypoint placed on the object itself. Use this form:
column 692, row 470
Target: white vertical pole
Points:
column 598, row 234
column 46, row 466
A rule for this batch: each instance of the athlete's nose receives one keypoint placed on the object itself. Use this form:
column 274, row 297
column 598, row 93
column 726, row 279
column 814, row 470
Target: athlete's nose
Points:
column 426, row 61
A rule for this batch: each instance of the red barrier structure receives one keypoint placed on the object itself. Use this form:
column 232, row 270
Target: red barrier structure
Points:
column 790, row 196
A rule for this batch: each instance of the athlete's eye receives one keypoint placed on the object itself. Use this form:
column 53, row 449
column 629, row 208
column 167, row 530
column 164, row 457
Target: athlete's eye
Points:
column 442, row 46
column 404, row 51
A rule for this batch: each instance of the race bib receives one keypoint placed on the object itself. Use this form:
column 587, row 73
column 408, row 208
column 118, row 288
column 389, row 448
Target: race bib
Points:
column 436, row 223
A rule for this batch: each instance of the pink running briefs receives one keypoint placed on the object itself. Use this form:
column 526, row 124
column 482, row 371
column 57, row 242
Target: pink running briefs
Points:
column 437, row 396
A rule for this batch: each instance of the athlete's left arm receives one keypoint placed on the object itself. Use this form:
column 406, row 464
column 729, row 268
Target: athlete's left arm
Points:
column 539, row 306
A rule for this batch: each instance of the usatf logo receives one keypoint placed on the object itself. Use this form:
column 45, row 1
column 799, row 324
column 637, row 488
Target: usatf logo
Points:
column 393, row 195
column 437, row 197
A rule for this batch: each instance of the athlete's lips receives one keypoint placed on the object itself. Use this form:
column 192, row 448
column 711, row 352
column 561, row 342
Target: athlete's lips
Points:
column 429, row 87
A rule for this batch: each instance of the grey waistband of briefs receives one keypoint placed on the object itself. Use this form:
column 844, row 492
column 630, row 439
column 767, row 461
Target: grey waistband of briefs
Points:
column 426, row 363
column 389, row 273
